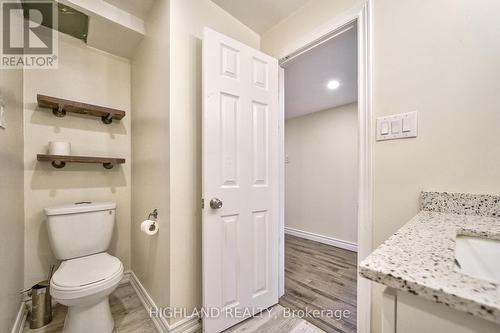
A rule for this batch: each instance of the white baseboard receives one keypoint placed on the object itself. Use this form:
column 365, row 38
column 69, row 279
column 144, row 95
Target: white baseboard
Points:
column 20, row 319
column 186, row 325
column 322, row 239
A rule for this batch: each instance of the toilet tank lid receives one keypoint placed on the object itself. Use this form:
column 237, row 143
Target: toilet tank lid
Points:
column 79, row 207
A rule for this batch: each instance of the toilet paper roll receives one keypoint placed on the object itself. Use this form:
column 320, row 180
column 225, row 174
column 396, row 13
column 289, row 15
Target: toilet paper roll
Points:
column 149, row 227
column 59, row 148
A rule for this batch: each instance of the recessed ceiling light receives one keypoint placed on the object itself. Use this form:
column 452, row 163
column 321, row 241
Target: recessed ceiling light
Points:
column 333, row 84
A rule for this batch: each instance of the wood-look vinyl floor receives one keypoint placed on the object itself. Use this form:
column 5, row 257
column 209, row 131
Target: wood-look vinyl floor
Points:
column 128, row 312
column 321, row 277
column 131, row 317
column 317, row 277
column 276, row 322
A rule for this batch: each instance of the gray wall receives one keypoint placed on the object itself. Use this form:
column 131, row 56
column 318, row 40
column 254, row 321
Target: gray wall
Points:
column 11, row 199
column 150, row 154
column 321, row 175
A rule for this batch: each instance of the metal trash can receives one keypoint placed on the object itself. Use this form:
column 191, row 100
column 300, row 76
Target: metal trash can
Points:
column 41, row 305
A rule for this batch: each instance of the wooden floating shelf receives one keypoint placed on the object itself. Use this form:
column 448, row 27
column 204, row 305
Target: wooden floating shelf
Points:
column 59, row 161
column 60, row 107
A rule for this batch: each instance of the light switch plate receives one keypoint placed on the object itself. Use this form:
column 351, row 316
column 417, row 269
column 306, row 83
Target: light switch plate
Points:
column 403, row 125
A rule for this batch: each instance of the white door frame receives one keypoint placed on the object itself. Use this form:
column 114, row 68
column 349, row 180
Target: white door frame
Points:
column 362, row 15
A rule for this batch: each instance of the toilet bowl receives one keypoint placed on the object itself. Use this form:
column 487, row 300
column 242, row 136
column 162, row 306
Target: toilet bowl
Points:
column 84, row 285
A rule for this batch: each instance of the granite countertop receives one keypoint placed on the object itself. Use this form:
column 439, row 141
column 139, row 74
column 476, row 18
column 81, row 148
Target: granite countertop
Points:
column 419, row 257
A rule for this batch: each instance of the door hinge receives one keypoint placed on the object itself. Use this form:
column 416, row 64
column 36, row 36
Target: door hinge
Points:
column 202, row 203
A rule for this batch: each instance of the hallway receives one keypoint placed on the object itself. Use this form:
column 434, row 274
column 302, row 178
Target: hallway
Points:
column 320, row 277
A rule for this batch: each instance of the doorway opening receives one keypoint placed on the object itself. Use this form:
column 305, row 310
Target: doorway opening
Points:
column 259, row 271
column 321, row 180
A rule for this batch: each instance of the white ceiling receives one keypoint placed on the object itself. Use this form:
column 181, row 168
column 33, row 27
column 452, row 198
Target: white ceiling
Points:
column 139, row 8
column 260, row 15
column 307, row 75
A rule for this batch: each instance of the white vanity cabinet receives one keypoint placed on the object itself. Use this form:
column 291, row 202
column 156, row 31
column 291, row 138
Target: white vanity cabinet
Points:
column 407, row 313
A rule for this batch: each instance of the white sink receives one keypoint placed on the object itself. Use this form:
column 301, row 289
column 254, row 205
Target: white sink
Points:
column 478, row 257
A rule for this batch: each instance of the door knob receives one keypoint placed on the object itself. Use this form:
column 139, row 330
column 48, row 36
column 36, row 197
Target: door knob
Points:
column 215, row 203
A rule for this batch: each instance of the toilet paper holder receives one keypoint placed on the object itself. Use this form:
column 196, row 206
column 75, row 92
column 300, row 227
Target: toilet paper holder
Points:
column 153, row 216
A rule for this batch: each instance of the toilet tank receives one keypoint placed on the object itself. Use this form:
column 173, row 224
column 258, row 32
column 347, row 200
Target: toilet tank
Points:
column 80, row 229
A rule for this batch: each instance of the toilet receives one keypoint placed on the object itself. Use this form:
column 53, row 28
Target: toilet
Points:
column 79, row 235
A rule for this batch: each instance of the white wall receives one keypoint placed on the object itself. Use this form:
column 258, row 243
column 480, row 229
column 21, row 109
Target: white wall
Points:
column 188, row 17
column 321, row 173
column 150, row 154
column 88, row 75
column 287, row 36
column 11, row 198
column 437, row 57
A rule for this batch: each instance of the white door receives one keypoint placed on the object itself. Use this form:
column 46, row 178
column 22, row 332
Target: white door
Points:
column 240, row 168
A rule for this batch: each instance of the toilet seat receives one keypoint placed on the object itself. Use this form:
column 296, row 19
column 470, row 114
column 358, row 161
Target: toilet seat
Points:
column 85, row 276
